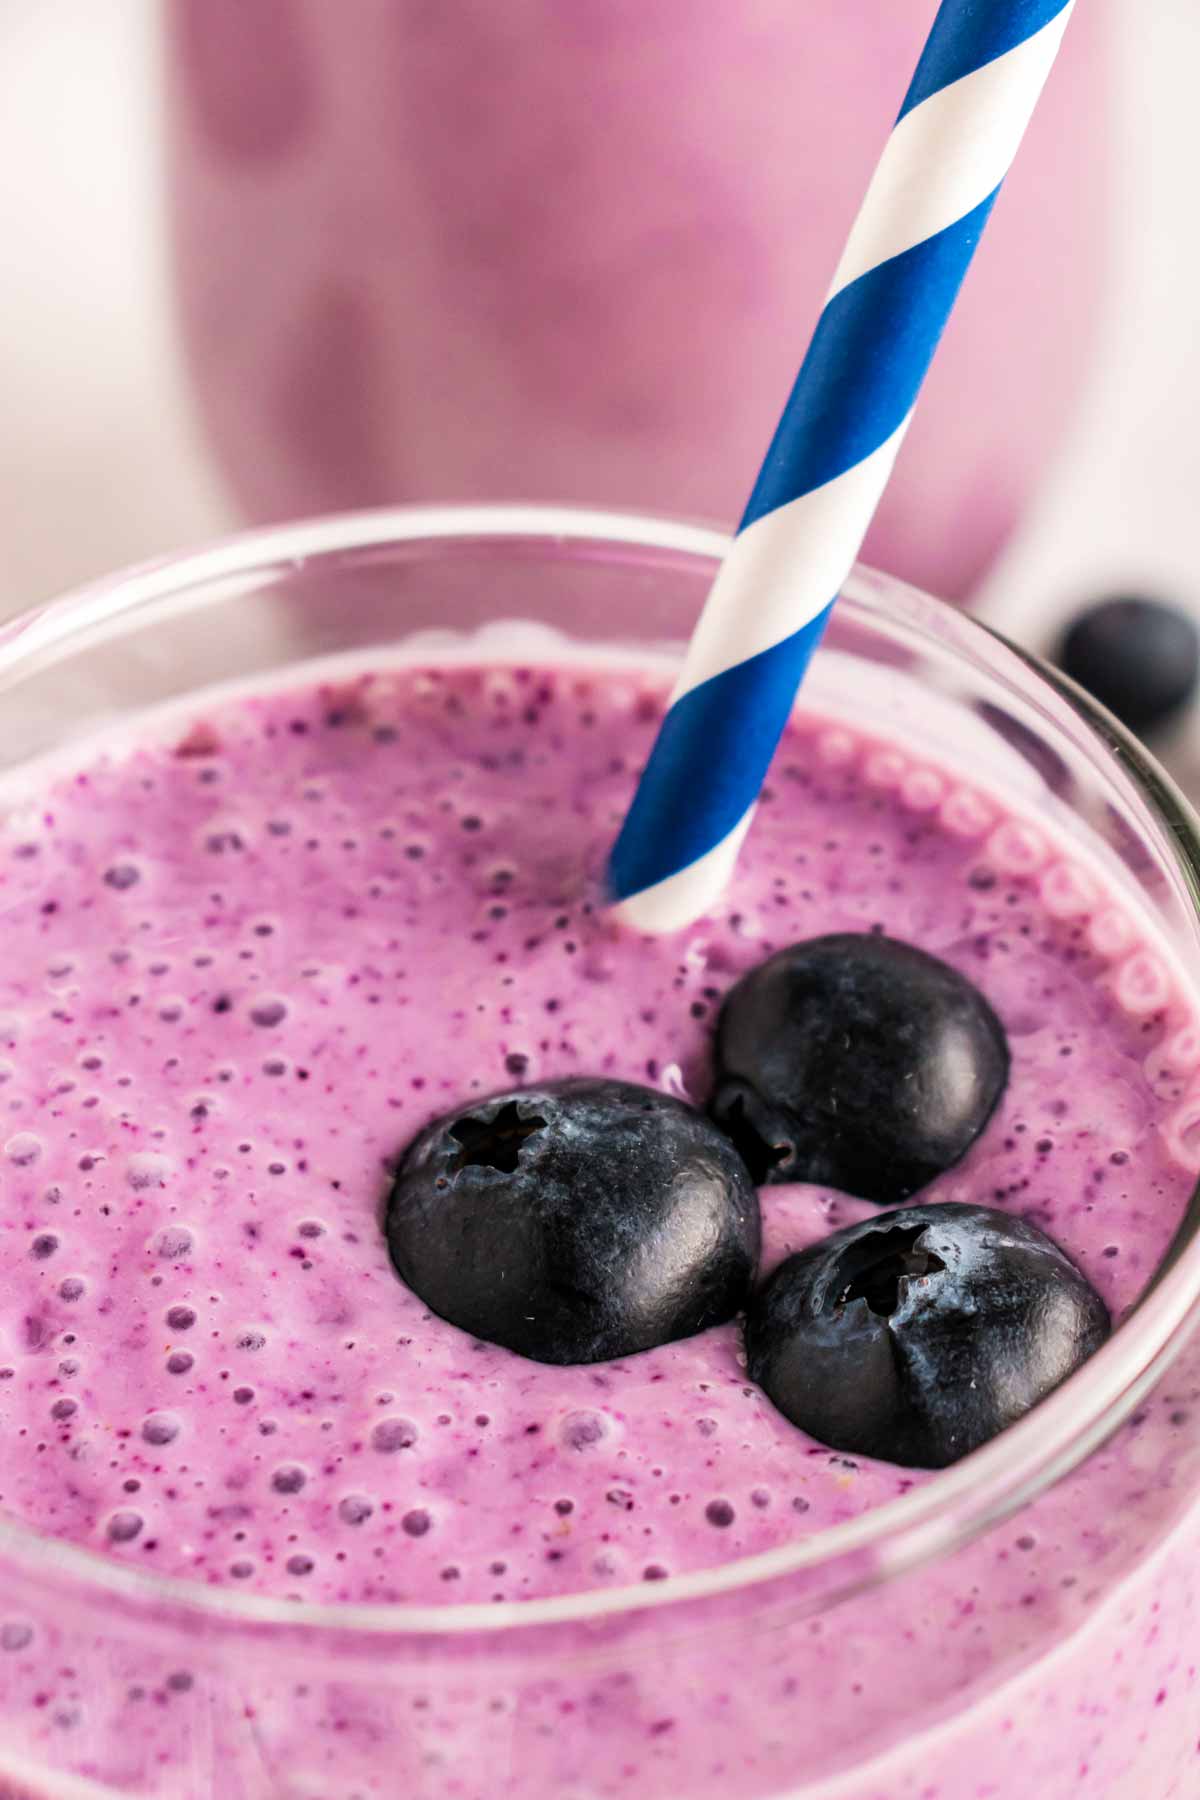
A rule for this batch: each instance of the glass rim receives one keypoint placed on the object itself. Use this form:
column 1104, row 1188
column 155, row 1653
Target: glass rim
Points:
column 953, row 1505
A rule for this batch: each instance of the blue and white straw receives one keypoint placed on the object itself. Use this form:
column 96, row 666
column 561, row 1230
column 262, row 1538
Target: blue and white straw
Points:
column 963, row 118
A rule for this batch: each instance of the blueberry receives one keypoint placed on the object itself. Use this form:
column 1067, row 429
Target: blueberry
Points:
column 857, row 1062
column 575, row 1221
column 919, row 1334
column 1137, row 657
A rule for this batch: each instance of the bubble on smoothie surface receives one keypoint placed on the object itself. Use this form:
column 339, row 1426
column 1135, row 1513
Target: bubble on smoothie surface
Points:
column 160, row 1428
column 583, row 1430
column 392, row 1435
column 146, row 1169
column 173, row 1243
column 355, row 1509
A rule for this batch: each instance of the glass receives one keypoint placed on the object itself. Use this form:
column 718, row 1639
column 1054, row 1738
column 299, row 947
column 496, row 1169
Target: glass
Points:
column 847, row 1664
column 559, row 252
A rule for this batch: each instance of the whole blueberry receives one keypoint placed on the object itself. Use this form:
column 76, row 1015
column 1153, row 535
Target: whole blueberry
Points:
column 576, row 1222
column 1138, row 657
column 919, row 1334
column 858, row 1062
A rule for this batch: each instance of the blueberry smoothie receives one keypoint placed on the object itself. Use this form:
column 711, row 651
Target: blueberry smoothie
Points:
column 252, row 954
column 560, row 250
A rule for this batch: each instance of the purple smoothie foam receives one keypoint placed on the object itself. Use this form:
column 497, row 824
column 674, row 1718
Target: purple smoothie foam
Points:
column 247, row 961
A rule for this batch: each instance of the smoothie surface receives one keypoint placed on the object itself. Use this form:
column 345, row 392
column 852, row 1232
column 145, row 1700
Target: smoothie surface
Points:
column 246, row 961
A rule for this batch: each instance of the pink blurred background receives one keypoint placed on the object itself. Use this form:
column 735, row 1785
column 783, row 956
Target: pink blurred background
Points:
column 104, row 457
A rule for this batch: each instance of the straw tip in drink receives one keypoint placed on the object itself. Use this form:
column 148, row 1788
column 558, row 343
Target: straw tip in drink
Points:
column 678, row 900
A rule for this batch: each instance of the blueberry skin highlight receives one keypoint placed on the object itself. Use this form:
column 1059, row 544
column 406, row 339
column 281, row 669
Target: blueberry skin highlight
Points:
column 576, row 1222
column 857, row 1062
column 918, row 1335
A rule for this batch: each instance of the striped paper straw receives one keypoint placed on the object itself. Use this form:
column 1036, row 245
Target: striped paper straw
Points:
column 963, row 118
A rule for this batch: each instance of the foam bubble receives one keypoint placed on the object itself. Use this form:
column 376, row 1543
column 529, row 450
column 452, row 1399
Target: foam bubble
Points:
column 147, row 1169
column 1016, row 848
column 884, row 769
column 1067, row 891
column 835, row 748
column 160, row 1428
column 583, row 1430
column 1181, row 1134
column 922, row 790
column 392, row 1435
column 172, row 1243
column 269, row 1013
column 966, row 814
column 1142, row 985
column 1110, row 933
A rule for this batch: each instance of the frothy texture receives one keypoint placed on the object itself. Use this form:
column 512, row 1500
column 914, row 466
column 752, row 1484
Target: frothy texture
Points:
column 245, row 964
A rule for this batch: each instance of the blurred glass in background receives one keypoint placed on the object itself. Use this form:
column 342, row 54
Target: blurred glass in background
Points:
column 264, row 258
column 574, row 251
